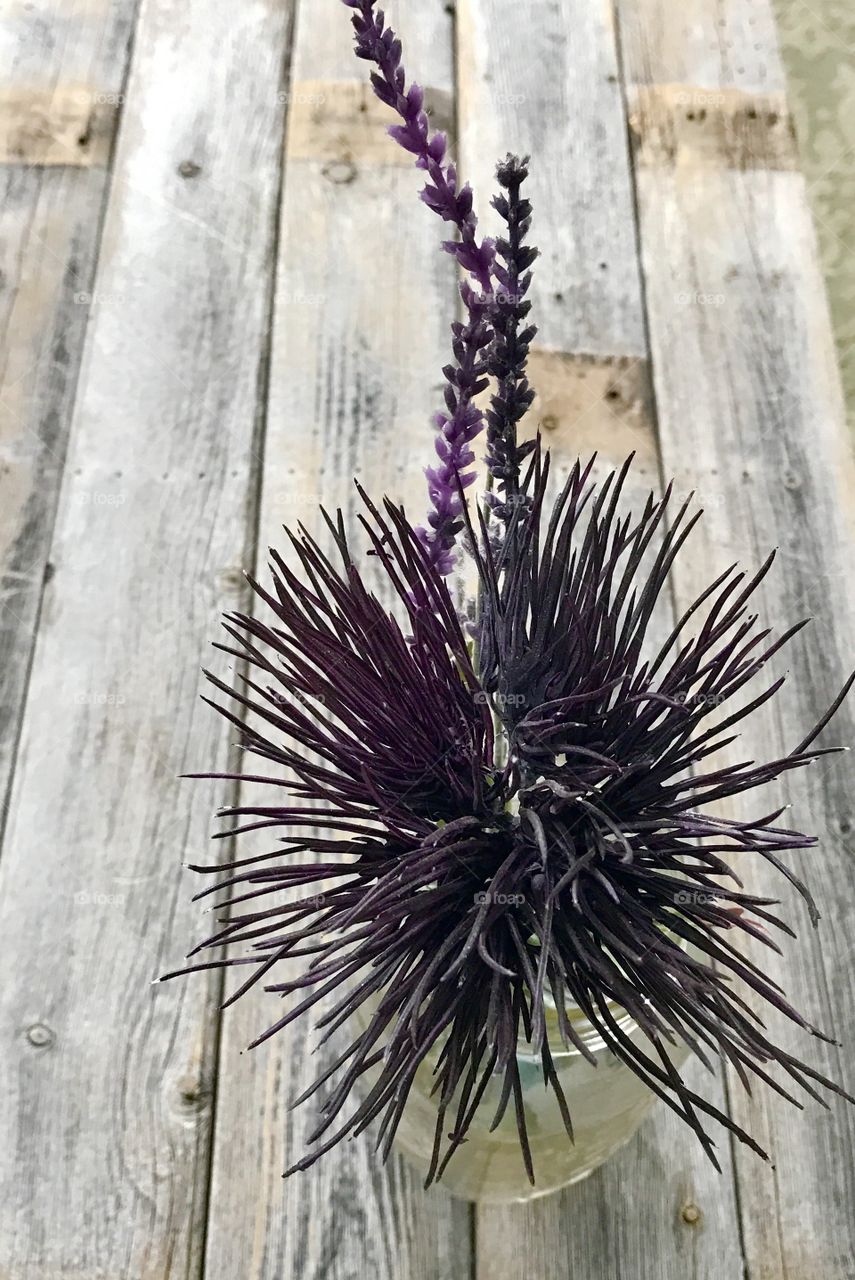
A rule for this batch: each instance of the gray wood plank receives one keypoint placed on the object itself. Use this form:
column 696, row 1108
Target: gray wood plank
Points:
column 551, row 87
column 364, row 298
column 105, row 1115
column 63, row 82
column 750, row 411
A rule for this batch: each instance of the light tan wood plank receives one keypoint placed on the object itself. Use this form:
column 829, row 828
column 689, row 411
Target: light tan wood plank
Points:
column 750, row 411
column 68, row 126
column 105, row 1115
column 686, row 126
column 551, row 88
column 364, row 298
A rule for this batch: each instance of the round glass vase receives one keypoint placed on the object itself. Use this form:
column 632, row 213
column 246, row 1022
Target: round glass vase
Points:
column 607, row 1103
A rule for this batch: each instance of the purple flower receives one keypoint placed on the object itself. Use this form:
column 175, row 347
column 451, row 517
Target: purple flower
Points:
column 456, row 429
column 463, row 420
column 378, row 43
column 483, row 837
column 459, row 895
column 509, row 353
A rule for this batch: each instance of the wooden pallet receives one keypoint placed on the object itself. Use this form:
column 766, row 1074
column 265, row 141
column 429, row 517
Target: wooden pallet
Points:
column 220, row 302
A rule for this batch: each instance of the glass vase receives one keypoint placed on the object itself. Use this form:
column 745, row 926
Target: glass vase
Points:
column 607, row 1103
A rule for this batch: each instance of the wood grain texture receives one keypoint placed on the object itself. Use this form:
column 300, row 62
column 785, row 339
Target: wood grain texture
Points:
column 64, row 70
column 548, row 85
column 750, row 411
column 364, row 299
column 728, row 383
column 106, row 1107
column 551, row 88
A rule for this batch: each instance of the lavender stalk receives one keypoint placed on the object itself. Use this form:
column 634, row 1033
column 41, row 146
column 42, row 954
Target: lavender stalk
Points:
column 463, row 420
column 378, row 43
column 509, row 354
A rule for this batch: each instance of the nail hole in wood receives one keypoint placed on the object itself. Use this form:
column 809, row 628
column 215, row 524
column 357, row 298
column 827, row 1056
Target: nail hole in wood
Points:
column 339, row 171
column 40, row 1036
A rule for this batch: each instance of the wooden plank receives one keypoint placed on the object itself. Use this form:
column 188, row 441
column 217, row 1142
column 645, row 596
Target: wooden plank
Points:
column 551, row 88
column 363, row 303
column 559, row 69
column 750, row 411
column 106, row 1111
column 63, row 84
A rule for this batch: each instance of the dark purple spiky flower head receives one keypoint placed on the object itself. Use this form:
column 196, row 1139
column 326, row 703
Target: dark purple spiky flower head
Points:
column 470, row 834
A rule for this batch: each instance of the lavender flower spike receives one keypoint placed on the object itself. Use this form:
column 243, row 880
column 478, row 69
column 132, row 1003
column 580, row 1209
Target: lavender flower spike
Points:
column 455, row 431
column 378, row 43
column 463, row 420
column 509, row 353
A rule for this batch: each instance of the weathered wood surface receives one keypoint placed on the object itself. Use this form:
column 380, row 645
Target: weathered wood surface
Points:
column 63, row 81
column 711, row 358
column 363, row 303
column 106, row 1107
column 750, row 412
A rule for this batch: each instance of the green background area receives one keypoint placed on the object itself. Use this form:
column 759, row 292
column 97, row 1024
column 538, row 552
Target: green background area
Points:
column 818, row 43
